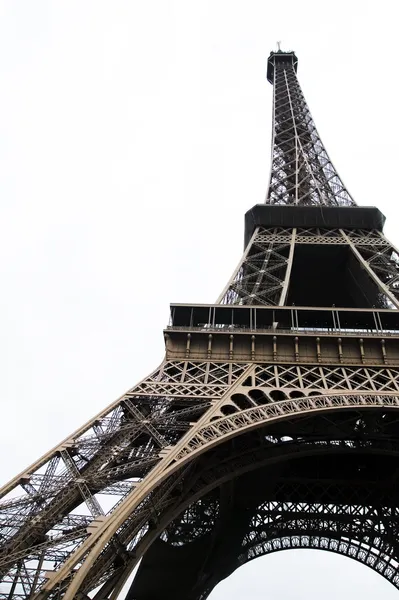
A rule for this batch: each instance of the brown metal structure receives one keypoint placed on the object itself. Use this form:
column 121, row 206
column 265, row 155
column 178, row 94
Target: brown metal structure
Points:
column 272, row 422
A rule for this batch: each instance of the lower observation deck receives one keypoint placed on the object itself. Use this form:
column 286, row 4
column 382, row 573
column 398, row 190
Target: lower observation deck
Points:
column 283, row 334
column 326, row 217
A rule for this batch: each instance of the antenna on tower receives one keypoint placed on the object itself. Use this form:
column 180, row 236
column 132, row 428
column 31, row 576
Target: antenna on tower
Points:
column 279, row 46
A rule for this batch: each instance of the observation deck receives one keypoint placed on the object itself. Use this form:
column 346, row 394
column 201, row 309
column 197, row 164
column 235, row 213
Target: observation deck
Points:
column 283, row 334
column 325, row 217
column 282, row 57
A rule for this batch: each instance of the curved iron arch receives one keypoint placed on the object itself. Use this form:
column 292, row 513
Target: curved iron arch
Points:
column 348, row 549
column 216, row 432
column 287, row 450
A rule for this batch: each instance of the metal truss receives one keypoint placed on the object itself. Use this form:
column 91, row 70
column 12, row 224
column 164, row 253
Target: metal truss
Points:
column 262, row 276
column 382, row 263
column 288, row 380
column 161, row 463
column 51, row 508
column 359, row 531
column 71, row 541
column 357, row 519
column 301, row 172
column 319, row 235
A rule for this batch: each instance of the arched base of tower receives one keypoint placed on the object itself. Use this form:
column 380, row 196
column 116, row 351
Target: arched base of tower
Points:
column 318, row 492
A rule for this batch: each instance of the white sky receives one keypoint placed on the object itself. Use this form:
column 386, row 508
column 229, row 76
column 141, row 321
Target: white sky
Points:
column 134, row 135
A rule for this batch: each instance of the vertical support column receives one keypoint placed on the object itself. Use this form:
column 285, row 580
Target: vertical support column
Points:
column 284, row 291
column 222, row 298
column 384, row 289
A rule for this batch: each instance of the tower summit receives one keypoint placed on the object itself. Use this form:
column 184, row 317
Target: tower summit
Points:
column 286, row 58
column 272, row 422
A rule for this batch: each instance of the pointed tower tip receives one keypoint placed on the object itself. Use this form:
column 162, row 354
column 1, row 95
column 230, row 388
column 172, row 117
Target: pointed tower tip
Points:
column 281, row 56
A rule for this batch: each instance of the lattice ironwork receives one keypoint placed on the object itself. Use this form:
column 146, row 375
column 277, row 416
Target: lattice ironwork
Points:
column 263, row 275
column 302, row 172
column 359, row 532
column 363, row 532
column 247, row 445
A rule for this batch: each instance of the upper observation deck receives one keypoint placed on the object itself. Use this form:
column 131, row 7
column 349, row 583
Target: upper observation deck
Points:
column 280, row 57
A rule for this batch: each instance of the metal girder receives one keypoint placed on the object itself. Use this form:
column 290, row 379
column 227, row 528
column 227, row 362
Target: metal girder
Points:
column 163, row 463
column 262, row 277
column 302, row 172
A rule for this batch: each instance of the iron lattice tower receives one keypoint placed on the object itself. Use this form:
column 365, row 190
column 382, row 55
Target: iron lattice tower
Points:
column 272, row 422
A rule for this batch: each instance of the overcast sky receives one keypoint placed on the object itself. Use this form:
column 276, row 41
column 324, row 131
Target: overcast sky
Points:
column 134, row 135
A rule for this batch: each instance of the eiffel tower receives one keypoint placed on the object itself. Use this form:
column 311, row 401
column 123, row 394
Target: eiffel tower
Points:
column 271, row 424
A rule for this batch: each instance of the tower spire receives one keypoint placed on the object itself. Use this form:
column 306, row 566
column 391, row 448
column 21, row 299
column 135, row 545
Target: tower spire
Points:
column 301, row 171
